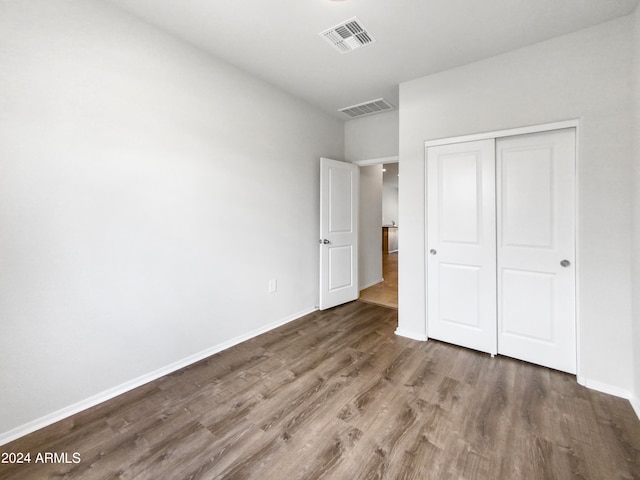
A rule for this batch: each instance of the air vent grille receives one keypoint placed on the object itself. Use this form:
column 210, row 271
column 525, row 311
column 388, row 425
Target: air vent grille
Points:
column 348, row 36
column 367, row 108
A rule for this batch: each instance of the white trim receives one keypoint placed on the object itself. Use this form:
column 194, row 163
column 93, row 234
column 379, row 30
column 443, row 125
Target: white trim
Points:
column 371, row 284
column 412, row 335
column 577, row 250
column 63, row 413
column 604, row 388
column 425, row 257
column 503, row 133
column 376, row 161
column 635, row 403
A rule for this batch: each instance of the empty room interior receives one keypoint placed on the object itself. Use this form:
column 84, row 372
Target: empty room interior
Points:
column 202, row 274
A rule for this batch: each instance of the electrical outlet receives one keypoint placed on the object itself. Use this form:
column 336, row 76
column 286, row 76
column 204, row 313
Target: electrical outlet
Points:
column 273, row 285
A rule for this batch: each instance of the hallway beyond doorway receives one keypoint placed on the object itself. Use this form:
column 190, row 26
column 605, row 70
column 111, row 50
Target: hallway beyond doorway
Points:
column 384, row 293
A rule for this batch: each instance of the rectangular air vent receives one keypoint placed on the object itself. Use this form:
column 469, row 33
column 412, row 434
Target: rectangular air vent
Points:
column 367, row 108
column 348, row 36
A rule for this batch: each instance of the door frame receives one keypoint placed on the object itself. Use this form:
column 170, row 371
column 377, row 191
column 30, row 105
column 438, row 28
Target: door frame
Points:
column 357, row 163
column 368, row 163
column 376, row 161
column 571, row 123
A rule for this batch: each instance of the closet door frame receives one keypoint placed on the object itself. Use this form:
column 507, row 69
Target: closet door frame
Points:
column 573, row 123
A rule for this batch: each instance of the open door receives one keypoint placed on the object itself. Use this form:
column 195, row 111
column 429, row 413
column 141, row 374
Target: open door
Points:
column 339, row 182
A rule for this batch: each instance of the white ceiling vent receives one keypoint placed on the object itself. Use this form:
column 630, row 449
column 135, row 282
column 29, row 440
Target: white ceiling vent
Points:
column 348, row 36
column 367, row 108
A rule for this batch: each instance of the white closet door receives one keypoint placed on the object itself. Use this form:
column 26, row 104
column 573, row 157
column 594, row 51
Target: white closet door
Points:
column 536, row 248
column 461, row 244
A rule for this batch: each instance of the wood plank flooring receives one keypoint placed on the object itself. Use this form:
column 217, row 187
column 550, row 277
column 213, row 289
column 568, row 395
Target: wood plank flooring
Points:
column 336, row 395
column 386, row 292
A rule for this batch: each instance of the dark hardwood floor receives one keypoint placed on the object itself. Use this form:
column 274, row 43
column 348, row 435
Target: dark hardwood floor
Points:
column 337, row 395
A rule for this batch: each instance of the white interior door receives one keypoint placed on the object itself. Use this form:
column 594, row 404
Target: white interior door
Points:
column 339, row 183
column 461, row 244
column 536, row 248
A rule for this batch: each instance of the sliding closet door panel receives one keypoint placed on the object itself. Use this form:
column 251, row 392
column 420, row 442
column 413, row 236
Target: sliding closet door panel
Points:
column 461, row 273
column 536, row 248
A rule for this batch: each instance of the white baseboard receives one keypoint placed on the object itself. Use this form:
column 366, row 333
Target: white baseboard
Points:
column 635, row 403
column 63, row 413
column 413, row 335
column 612, row 390
column 604, row 387
column 371, row 284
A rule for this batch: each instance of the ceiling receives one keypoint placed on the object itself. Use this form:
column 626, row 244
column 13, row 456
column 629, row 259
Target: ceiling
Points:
column 279, row 42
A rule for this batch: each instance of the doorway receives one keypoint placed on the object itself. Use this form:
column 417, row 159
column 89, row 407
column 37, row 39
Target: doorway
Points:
column 379, row 207
column 384, row 293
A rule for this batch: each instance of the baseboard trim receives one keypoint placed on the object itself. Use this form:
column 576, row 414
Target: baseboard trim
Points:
column 78, row 407
column 612, row 390
column 635, row 403
column 604, row 388
column 371, row 284
column 412, row 335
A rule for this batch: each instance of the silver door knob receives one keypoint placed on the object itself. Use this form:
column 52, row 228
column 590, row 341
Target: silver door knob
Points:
column 565, row 263
column 433, row 251
column 326, row 242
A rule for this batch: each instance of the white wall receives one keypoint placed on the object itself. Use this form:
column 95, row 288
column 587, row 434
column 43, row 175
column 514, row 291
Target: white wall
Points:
column 148, row 193
column 585, row 75
column 635, row 248
column 374, row 136
column 370, row 233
